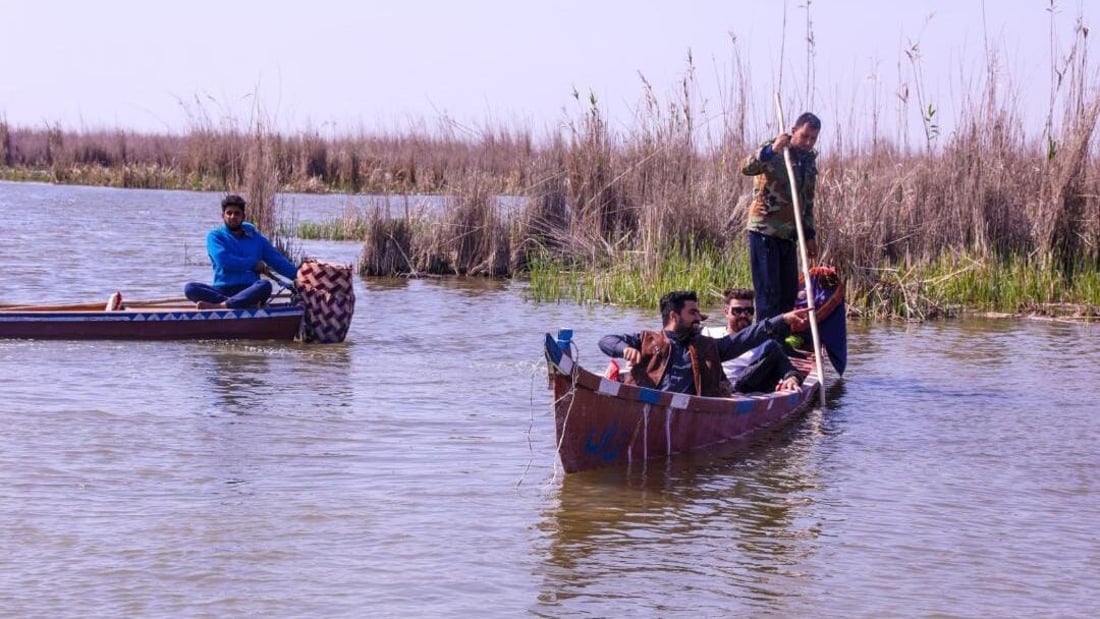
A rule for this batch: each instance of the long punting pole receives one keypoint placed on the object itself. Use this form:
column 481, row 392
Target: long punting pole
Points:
column 804, row 256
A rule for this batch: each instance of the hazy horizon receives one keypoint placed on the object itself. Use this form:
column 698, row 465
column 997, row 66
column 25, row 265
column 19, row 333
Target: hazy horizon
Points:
column 345, row 69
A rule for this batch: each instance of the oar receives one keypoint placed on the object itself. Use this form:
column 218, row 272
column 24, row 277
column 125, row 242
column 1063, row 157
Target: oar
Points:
column 70, row 307
column 163, row 301
column 85, row 307
column 805, row 258
column 285, row 284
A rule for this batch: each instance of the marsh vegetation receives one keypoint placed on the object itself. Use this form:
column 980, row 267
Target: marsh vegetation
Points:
column 993, row 216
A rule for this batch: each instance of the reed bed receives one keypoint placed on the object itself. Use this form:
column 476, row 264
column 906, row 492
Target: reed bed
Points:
column 212, row 155
column 992, row 222
column 989, row 217
column 470, row 236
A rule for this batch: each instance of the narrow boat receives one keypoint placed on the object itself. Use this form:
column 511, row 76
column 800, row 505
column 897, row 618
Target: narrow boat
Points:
column 149, row 321
column 602, row 422
column 316, row 308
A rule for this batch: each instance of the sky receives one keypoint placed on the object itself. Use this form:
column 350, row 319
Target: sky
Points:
column 344, row 67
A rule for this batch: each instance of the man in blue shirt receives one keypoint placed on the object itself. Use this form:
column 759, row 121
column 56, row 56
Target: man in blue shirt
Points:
column 239, row 254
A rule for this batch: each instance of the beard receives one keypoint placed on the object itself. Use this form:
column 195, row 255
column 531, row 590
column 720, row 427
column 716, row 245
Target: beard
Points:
column 685, row 331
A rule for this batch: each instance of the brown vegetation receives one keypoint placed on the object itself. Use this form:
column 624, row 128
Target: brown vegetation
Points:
column 670, row 184
column 210, row 157
column 592, row 195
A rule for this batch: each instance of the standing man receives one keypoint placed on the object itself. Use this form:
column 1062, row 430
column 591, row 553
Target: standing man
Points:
column 773, row 235
column 239, row 254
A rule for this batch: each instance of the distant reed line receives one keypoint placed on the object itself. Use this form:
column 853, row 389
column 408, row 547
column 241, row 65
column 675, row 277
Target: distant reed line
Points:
column 985, row 217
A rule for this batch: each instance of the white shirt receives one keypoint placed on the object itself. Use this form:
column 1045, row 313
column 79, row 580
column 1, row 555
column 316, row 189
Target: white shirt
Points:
column 736, row 366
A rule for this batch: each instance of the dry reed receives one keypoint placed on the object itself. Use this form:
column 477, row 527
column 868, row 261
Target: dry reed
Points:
column 901, row 223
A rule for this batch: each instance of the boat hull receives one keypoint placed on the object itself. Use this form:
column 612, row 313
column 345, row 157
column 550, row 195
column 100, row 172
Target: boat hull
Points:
column 155, row 323
column 601, row 422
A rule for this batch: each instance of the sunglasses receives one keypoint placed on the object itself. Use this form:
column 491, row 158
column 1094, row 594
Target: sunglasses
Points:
column 743, row 311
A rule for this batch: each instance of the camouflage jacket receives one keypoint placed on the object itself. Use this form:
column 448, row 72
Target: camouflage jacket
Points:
column 772, row 190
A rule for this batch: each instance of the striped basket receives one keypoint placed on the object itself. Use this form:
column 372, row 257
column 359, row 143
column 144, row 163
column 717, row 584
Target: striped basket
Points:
column 328, row 297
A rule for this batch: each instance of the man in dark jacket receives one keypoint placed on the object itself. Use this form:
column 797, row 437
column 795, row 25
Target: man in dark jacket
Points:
column 679, row 358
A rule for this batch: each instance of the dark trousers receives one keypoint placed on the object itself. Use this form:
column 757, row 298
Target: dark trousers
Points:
column 764, row 373
column 243, row 295
column 774, row 264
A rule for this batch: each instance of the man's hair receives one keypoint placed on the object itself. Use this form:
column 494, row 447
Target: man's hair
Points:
column 807, row 118
column 232, row 200
column 674, row 302
column 741, row 294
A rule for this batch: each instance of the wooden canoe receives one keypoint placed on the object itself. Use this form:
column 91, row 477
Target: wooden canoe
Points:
column 601, row 422
column 149, row 321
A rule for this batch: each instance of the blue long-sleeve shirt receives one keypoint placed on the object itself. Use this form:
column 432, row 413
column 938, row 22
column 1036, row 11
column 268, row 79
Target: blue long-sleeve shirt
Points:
column 234, row 258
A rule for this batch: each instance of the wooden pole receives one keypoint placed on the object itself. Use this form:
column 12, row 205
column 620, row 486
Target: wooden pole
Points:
column 804, row 257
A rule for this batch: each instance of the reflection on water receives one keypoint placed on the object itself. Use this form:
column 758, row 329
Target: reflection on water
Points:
column 238, row 378
column 241, row 377
column 834, row 394
column 734, row 522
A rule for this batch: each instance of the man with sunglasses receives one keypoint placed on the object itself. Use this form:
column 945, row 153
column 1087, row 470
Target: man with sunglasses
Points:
column 679, row 358
column 763, row 368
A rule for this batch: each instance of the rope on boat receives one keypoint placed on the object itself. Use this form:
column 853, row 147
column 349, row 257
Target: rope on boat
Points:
column 541, row 369
column 530, row 424
column 574, row 355
column 558, row 468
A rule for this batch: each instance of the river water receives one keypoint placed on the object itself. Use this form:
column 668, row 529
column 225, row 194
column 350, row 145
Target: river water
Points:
column 410, row 471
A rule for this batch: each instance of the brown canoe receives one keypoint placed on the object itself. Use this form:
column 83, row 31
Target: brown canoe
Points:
column 601, row 422
column 149, row 321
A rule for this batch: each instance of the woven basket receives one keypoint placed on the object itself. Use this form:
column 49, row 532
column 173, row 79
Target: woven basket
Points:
column 328, row 297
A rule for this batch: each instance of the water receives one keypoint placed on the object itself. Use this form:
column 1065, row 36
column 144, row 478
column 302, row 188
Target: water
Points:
column 411, row 470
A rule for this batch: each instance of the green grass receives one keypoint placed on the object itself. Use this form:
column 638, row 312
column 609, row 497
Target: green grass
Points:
column 629, row 279
column 949, row 286
column 335, row 229
column 25, row 174
column 1011, row 285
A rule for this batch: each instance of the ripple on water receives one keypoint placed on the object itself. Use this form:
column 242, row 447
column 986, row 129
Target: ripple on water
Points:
column 411, row 471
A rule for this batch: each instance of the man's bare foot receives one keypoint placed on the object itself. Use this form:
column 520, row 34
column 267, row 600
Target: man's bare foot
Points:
column 208, row 305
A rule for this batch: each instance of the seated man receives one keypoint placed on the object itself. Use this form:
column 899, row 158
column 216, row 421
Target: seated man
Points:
column 239, row 254
column 765, row 367
column 679, row 358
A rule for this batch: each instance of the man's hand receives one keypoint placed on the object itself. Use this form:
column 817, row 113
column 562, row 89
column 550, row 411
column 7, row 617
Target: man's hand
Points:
column 633, row 355
column 797, row 319
column 783, row 140
column 261, row 268
column 788, row 384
